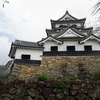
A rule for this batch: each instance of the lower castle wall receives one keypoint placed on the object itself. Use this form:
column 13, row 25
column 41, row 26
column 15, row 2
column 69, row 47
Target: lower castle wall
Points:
column 53, row 66
column 24, row 71
column 49, row 90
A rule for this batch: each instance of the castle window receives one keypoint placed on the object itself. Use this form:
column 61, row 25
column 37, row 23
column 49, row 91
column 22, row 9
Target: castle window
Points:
column 88, row 48
column 25, row 57
column 54, row 48
column 70, row 48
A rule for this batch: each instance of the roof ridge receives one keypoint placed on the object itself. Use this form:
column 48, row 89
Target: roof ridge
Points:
column 24, row 41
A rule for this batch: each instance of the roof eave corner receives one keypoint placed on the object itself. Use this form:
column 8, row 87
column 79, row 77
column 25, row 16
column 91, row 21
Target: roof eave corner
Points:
column 84, row 19
column 46, row 31
column 51, row 20
column 39, row 43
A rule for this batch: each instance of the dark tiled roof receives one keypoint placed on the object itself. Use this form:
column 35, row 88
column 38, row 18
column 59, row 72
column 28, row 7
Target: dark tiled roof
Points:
column 71, row 38
column 89, row 28
column 68, row 21
column 67, row 13
column 57, row 30
column 53, row 22
column 26, row 44
column 49, row 32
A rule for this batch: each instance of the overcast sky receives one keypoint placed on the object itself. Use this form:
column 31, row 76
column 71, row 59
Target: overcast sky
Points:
column 28, row 19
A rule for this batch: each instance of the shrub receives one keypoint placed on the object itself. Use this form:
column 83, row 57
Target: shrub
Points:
column 42, row 77
column 96, row 76
column 59, row 84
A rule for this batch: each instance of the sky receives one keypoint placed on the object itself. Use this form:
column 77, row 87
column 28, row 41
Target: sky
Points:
column 28, row 19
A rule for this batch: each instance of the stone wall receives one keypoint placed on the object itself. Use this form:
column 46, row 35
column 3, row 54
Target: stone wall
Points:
column 24, row 71
column 49, row 90
column 53, row 65
column 56, row 66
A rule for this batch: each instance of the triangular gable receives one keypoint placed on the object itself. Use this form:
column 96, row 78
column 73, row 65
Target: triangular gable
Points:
column 67, row 16
column 69, row 32
column 50, row 38
column 92, row 36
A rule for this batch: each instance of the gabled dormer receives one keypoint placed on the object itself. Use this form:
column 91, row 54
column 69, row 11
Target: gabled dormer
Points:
column 91, row 37
column 83, row 31
column 67, row 20
column 69, row 32
column 49, row 38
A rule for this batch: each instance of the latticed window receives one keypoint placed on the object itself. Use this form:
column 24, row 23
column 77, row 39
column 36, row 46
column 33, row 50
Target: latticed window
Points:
column 70, row 48
column 25, row 57
column 88, row 48
column 54, row 48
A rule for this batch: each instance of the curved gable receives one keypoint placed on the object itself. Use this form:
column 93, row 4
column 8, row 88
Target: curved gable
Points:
column 91, row 37
column 50, row 38
column 69, row 32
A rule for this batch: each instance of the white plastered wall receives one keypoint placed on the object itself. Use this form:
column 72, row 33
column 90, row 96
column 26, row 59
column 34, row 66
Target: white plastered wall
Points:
column 78, row 47
column 35, row 54
column 94, row 43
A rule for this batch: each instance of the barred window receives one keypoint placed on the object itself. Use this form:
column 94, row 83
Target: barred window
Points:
column 88, row 48
column 54, row 48
column 25, row 57
column 70, row 48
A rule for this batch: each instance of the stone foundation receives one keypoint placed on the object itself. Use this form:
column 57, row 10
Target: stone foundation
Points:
column 49, row 90
column 56, row 66
column 24, row 72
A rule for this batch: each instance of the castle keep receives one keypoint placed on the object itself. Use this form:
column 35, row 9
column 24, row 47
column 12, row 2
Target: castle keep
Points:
column 68, row 41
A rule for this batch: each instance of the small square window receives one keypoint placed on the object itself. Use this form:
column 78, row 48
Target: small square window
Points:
column 70, row 48
column 25, row 57
column 88, row 48
column 54, row 48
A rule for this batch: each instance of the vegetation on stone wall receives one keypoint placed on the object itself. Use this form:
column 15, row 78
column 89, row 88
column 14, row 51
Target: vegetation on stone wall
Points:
column 96, row 75
column 42, row 77
column 59, row 84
